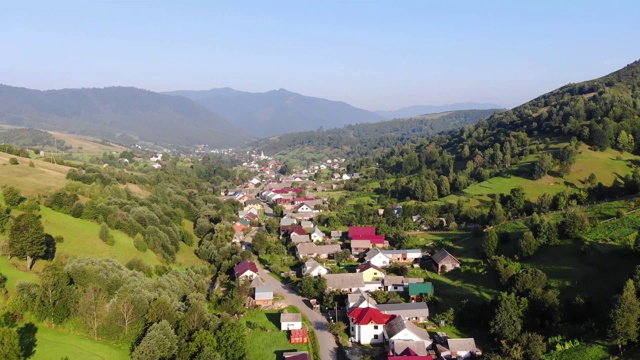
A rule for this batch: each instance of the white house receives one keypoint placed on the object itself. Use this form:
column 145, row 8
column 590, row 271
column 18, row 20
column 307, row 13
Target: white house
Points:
column 399, row 329
column 404, row 255
column 462, row 349
column 346, row 177
column 360, row 299
column 304, row 208
column 377, row 258
column 366, row 325
column 290, row 321
column 316, row 234
column 156, row 157
column 313, row 269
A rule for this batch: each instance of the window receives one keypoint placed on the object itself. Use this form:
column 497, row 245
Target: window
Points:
column 375, row 337
column 353, row 329
column 375, row 327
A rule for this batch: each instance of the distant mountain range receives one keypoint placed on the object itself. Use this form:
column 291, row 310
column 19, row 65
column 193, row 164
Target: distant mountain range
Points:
column 123, row 114
column 278, row 111
column 417, row 110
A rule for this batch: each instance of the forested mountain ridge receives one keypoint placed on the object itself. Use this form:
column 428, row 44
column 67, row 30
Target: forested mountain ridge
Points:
column 118, row 113
column 416, row 110
column 366, row 139
column 278, row 111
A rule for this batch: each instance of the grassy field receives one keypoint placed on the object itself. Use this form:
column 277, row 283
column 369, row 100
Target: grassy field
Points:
column 32, row 181
column 56, row 344
column 81, row 239
column 619, row 230
column 266, row 341
column 604, row 164
column 85, row 146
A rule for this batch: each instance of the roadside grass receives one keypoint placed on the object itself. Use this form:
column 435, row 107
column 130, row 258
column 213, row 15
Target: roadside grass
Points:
column 32, row 181
column 265, row 339
column 57, row 344
column 81, row 239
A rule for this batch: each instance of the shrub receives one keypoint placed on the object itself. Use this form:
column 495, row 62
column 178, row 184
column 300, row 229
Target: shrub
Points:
column 31, row 164
column 59, row 239
column 161, row 270
column 137, row 264
column 13, row 161
column 139, row 243
column 105, row 235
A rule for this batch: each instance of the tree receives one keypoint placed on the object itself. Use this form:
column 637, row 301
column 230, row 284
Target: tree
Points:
column 625, row 141
column 105, row 234
column 533, row 345
column 159, row 343
column 337, row 328
column 13, row 161
column 203, row 346
column 574, row 222
column 529, row 280
column 52, row 301
column 507, row 322
column 27, row 238
column 528, row 244
column 278, row 210
column 232, row 339
column 490, row 244
column 91, row 308
column 12, row 197
column 624, row 316
column 542, row 166
column 496, row 214
column 10, row 344
column 343, row 256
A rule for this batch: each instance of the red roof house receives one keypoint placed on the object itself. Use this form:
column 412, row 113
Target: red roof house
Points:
column 365, row 233
column 369, row 316
column 247, row 269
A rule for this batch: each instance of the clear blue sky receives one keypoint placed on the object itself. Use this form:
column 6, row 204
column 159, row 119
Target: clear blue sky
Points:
column 378, row 55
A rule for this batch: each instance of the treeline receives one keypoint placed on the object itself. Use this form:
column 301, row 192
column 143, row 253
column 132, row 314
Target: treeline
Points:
column 31, row 138
column 368, row 139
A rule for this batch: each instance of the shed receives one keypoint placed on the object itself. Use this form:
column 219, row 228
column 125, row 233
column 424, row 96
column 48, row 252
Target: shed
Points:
column 417, row 291
column 299, row 336
column 290, row 321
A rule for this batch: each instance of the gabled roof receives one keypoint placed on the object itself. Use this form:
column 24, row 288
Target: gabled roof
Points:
column 410, row 348
column 357, row 298
column 403, row 251
column 360, row 231
column 298, row 355
column 297, row 239
column 245, row 266
column 420, row 288
column 263, row 292
column 417, row 309
column 360, row 244
column 311, row 265
column 443, row 254
column 290, row 317
column 372, row 253
column 398, row 324
column 457, row 345
column 390, row 280
column 366, row 266
column 311, row 248
column 369, row 315
column 345, row 281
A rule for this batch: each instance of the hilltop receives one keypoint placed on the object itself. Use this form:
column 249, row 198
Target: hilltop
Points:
column 416, row 110
column 278, row 111
column 122, row 114
column 365, row 139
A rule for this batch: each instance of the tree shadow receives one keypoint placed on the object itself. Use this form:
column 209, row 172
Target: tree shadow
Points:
column 50, row 252
column 28, row 342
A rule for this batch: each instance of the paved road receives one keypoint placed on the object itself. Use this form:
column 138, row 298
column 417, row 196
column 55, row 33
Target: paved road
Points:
column 328, row 348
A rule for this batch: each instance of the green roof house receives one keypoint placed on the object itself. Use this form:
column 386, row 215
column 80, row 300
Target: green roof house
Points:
column 418, row 290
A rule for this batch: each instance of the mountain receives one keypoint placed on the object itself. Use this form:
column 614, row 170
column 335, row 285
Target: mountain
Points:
column 434, row 109
column 364, row 139
column 123, row 114
column 278, row 111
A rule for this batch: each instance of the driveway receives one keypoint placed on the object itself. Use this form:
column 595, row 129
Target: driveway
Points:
column 328, row 348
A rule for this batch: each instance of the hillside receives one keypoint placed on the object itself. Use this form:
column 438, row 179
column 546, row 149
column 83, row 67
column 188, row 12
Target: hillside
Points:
column 416, row 110
column 365, row 139
column 278, row 111
column 122, row 114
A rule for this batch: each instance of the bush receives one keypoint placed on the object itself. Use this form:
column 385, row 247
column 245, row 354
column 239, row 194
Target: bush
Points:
column 139, row 243
column 13, row 161
column 137, row 264
column 161, row 270
column 31, row 164
column 59, row 239
column 105, row 235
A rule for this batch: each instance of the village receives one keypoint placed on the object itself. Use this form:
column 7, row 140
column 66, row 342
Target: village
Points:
column 354, row 266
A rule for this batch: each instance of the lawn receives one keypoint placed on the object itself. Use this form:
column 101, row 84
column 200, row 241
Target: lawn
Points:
column 14, row 270
column 56, row 344
column 266, row 341
column 81, row 239
column 32, row 181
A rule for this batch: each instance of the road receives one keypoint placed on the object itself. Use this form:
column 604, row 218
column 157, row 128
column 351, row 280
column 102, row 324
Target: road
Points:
column 328, row 348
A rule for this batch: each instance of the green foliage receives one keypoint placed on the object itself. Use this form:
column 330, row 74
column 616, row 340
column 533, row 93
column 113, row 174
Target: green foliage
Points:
column 27, row 238
column 490, row 243
column 542, row 166
column 139, row 243
column 508, row 320
column 337, row 328
column 624, row 316
column 10, row 344
column 574, row 223
column 385, row 297
column 137, row 264
column 159, row 343
column 12, row 197
column 13, row 161
column 105, row 235
column 312, row 288
column 528, row 244
column 528, row 281
column 446, row 317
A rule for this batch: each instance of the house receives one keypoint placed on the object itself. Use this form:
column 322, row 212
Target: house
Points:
column 336, row 235
column 366, row 325
column 345, row 282
column 316, row 234
column 444, row 262
column 366, row 233
column 370, row 272
column 303, row 208
column 306, row 224
column 298, row 239
column 245, row 270
column 415, row 312
column 359, row 246
column 393, row 283
column 263, row 296
column 290, row 321
column 418, row 291
column 313, row 269
column 156, row 157
column 377, row 258
column 253, row 204
column 297, row 355
column 359, row 299
column 312, row 250
column 156, row 165
column 462, row 349
column 240, row 225
column 399, row 329
column 287, row 221
column 251, row 217
column 346, row 177
column 408, row 255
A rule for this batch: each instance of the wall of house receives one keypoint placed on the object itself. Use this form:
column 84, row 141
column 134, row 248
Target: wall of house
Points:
column 380, row 261
column 290, row 326
column 367, row 334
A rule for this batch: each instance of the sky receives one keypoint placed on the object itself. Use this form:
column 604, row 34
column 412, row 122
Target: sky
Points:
column 377, row 55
